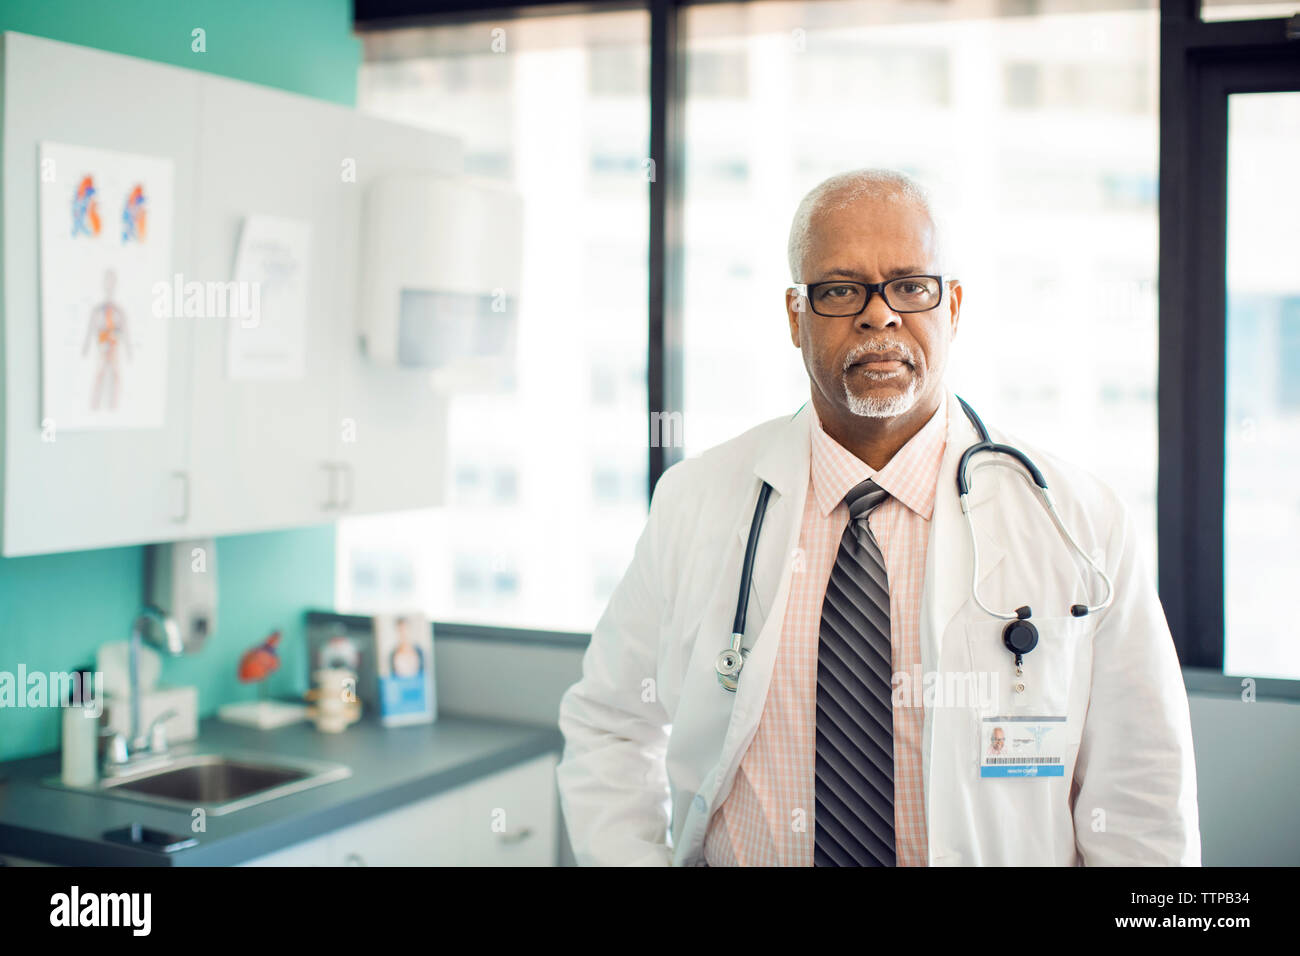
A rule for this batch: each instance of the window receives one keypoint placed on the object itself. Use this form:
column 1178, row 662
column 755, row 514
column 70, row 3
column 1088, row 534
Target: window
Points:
column 546, row 490
column 1228, row 315
column 1262, row 434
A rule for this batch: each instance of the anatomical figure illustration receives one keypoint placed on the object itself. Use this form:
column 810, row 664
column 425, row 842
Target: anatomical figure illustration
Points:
column 107, row 329
column 135, row 217
column 85, row 208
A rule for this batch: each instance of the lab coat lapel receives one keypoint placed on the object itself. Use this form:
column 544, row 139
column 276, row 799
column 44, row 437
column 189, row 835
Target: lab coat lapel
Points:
column 721, row 724
column 785, row 466
column 949, row 559
column 703, row 756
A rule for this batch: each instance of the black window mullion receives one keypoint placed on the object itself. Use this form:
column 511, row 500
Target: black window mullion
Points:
column 1205, row 392
column 1175, row 225
column 664, row 359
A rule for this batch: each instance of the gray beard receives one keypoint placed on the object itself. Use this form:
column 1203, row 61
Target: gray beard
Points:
column 890, row 407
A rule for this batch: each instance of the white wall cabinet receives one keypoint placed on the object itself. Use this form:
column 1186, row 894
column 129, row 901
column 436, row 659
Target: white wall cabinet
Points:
column 86, row 489
column 234, row 455
column 506, row 819
column 258, row 446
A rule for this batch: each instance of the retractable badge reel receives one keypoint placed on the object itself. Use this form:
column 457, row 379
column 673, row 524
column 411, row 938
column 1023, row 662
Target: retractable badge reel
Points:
column 1020, row 637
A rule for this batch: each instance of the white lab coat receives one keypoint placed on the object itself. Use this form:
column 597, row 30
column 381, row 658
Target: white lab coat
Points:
column 652, row 742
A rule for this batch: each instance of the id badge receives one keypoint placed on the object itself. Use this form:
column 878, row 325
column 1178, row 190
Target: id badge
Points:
column 1022, row 746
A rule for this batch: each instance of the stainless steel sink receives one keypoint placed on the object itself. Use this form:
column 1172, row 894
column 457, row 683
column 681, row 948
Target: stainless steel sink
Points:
column 220, row 783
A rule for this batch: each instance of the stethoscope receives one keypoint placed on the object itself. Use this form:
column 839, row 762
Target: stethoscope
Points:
column 1020, row 636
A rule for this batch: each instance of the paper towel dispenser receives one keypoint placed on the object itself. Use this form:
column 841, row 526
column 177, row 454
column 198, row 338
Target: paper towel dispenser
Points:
column 440, row 276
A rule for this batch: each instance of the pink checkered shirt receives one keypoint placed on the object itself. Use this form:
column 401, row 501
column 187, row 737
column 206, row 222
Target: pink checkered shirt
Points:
column 767, row 818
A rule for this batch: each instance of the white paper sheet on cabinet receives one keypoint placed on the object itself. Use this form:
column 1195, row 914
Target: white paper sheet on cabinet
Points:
column 268, row 334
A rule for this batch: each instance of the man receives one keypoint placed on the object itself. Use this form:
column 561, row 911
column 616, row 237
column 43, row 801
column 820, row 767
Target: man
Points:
column 847, row 739
column 999, row 741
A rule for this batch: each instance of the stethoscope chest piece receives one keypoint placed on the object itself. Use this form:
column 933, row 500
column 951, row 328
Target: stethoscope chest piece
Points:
column 728, row 667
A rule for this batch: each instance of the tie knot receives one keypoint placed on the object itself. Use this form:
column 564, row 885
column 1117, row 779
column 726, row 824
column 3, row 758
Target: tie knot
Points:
column 863, row 498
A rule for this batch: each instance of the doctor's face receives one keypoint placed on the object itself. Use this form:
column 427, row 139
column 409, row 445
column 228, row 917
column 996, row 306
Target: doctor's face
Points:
column 874, row 240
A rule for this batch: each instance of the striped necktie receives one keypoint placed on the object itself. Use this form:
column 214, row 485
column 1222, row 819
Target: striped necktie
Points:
column 854, row 781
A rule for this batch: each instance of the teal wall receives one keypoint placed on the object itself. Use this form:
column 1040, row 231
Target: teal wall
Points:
column 305, row 46
column 55, row 610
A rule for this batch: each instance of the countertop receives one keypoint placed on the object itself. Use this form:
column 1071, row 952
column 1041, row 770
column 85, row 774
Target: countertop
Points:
column 390, row 767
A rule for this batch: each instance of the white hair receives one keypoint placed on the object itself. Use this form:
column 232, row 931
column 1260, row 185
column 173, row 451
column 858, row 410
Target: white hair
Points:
column 845, row 189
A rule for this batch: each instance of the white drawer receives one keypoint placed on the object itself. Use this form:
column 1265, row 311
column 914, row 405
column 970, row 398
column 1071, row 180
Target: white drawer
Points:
column 507, row 819
column 511, row 818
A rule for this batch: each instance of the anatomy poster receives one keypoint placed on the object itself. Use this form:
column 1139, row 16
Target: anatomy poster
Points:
column 106, row 238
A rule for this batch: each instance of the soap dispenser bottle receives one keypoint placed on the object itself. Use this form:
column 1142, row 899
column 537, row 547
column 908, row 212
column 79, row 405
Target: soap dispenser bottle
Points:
column 81, row 713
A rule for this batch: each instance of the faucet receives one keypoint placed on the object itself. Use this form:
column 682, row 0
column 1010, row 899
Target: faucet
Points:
column 124, row 755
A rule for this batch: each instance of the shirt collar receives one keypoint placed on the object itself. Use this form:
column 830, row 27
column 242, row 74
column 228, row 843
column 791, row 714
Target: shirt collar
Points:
column 910, row 476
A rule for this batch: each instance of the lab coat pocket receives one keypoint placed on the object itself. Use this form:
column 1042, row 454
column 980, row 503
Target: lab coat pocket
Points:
column 1029, row 725
column 1048, row 674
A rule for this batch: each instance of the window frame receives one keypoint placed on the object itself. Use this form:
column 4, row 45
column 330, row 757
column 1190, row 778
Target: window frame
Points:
column 1201, row 63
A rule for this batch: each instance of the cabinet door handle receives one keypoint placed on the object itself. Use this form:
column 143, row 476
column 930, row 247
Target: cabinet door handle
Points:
column 517, row 836
column 331, row 500
column 346, row 468
column 184, row 516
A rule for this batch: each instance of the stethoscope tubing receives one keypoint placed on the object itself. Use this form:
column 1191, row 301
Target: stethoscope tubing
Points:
column 1049, row 503
column 730, row 662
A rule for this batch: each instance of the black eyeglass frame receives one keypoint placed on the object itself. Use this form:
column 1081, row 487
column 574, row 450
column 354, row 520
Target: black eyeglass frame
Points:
column 873, row 288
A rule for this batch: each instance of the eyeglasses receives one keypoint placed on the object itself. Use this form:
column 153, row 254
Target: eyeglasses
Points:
column 840, row 297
